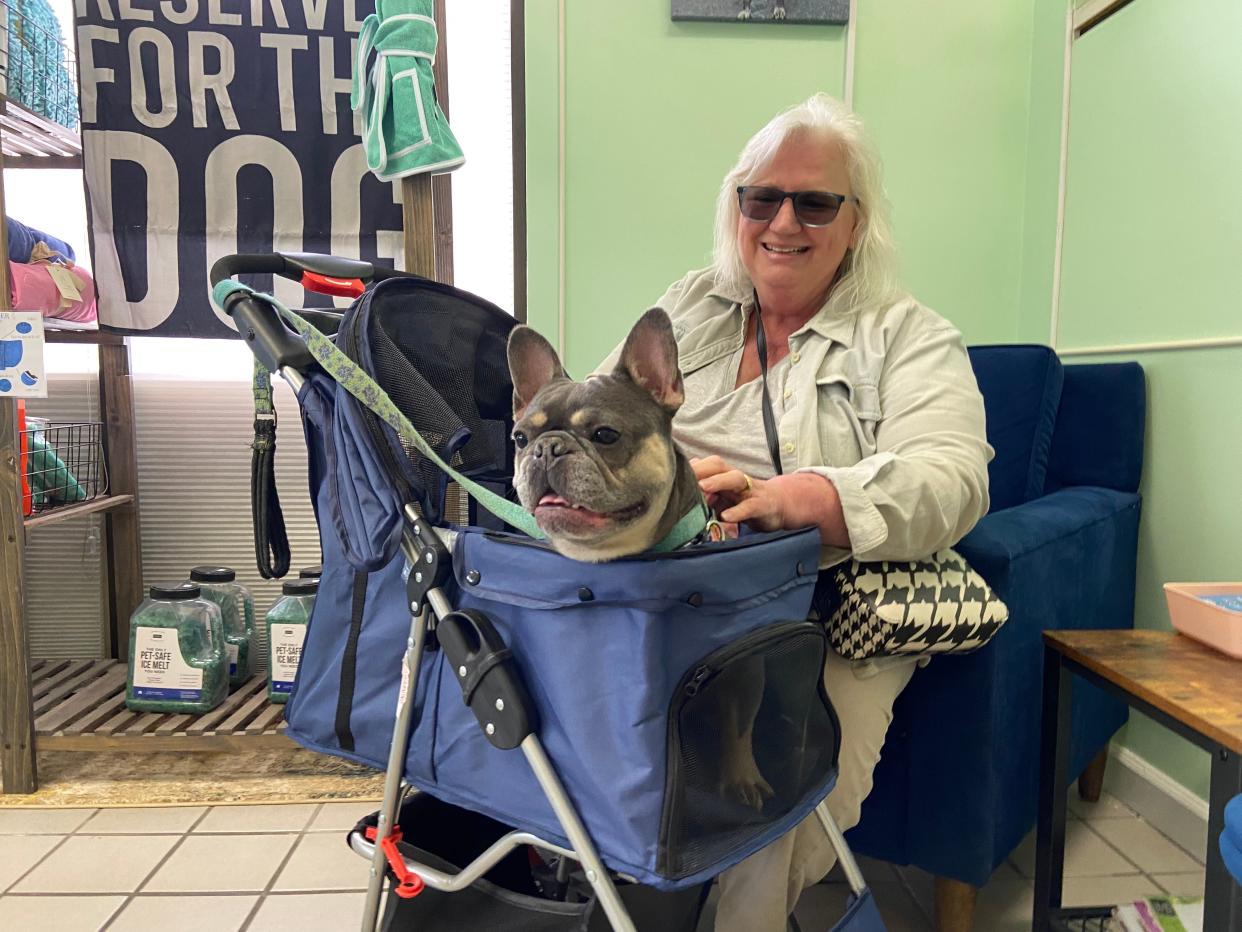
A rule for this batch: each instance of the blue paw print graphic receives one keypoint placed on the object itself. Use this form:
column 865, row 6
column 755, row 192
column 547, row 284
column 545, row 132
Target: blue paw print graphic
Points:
column 10, row 353
column 6, row 385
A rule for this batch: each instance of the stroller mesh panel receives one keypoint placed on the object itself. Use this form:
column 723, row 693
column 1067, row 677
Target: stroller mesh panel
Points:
column 459, row 347
column 746, row 744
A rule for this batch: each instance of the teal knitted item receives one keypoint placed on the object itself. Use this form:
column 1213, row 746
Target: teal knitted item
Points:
column 36, row 76
column 404, row 131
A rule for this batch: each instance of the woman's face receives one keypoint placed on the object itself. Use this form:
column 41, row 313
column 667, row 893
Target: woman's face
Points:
column 792, row 266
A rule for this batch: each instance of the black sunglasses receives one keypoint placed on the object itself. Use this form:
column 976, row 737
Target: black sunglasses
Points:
column 812, row 208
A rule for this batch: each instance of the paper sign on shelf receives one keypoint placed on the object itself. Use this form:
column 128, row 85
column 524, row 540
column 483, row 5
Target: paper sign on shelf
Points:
column 21, row 355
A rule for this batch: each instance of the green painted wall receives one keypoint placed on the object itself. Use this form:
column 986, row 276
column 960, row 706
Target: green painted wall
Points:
column 1154, row 154
column 1156, row 93
column 944, row 89
column 1191, row 529
column 1043, row 164
column 655, row 113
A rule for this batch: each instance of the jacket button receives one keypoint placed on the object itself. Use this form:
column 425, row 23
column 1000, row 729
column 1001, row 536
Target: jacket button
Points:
column 473, row 577
column 696, row 599
column 585, row 595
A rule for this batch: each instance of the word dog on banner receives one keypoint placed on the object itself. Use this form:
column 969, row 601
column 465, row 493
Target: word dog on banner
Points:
column 218, row 126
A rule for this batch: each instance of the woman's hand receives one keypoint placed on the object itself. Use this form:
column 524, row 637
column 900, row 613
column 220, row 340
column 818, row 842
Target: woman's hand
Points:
column 785, row 502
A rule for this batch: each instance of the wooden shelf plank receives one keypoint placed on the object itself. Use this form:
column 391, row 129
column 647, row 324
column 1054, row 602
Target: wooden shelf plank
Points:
column 178, row 744
column 69, row 682
column 95, row 337
column 94, row 717
column 42, row 161
column 266, row 720
column 238, row 719
column 34, row 129
column 42, row 671
column 106, row 708
column 123, row 717
column 205, row 723
column 145, row 722
column 80, row 702
column 68, row 512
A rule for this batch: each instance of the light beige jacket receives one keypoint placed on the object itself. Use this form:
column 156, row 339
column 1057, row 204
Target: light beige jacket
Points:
column 884, row 405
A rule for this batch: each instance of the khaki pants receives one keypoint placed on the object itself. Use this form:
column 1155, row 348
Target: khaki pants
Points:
column 759, row 894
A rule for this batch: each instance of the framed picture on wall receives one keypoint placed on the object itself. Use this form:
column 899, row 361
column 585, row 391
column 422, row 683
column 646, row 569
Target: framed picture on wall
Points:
column 792, row 12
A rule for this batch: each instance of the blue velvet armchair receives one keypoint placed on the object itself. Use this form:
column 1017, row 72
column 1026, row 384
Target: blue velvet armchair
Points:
column 955, row 790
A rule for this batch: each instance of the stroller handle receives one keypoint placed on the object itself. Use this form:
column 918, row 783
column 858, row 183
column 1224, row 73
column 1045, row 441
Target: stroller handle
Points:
column 297, row 265
column 275, row 345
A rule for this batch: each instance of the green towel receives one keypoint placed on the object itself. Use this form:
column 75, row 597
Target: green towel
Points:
column 404, row 130
column 50, row 480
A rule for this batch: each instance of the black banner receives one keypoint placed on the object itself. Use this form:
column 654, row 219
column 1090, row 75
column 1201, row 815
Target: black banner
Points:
column 218, row 126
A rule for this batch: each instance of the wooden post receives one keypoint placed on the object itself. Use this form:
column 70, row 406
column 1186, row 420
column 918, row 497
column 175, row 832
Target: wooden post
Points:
column 17, row 753
column 123, row 537
column 426, row 201
column 18, row 771
column 442, row 185
column 418, row 220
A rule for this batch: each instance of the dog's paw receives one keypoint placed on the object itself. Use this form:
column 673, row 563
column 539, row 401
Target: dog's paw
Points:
column 778, row 12
column 744, row 15
column 742, row 782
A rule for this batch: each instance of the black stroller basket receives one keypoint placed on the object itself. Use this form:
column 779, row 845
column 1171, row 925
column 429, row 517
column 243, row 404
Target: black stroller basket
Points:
column 611, row 679
column 523, row 891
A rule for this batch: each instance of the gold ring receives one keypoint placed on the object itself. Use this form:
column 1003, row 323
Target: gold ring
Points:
column 749, row 485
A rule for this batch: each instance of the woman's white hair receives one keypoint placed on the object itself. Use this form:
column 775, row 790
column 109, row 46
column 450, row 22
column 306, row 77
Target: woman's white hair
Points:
column 868, row 272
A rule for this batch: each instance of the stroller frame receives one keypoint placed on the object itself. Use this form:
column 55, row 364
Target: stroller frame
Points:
column 425, row 550
column 430, row 564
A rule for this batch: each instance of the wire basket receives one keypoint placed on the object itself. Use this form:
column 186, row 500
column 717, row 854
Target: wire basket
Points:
column 63, row 464
column 36, row 64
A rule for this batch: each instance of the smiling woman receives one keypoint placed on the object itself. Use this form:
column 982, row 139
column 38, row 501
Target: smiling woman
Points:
column 818, row 394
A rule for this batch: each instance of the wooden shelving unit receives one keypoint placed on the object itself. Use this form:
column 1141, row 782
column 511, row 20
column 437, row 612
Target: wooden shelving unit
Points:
column 80, row 704
column 31, row 141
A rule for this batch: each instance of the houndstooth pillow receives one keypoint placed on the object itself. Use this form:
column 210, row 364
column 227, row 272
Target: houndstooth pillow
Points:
column 933, row 606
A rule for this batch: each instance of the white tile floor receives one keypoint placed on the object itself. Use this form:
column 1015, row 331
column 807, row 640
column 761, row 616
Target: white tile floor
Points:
column 276, row 868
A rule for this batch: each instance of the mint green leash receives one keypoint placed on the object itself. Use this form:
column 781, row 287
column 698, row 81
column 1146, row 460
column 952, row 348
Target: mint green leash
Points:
column 354, row 380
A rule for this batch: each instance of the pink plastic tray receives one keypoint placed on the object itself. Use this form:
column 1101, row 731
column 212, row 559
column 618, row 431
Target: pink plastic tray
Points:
column 1214, row 625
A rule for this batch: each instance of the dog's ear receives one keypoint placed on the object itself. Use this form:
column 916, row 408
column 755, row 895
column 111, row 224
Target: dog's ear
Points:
column 649, row 359
column 533, row 363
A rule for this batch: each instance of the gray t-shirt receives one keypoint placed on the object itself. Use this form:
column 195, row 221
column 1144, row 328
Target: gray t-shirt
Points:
column 719, row 419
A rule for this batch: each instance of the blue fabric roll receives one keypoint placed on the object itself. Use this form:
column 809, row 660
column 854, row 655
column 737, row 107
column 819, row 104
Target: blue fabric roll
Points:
column 22, row 241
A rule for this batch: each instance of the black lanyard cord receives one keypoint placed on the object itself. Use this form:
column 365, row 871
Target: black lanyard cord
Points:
column 769, row 420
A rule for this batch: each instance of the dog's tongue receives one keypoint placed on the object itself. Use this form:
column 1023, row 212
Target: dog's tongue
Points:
column 564, row 512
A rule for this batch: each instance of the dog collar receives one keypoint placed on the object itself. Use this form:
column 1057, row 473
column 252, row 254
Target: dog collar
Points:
column 692, row 524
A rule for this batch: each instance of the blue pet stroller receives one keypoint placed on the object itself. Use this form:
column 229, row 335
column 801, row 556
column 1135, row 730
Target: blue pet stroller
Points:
column 614, row 680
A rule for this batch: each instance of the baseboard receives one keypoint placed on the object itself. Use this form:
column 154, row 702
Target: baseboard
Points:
column 1158, row 798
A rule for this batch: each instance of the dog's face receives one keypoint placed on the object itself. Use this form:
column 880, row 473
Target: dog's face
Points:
column 596, row 464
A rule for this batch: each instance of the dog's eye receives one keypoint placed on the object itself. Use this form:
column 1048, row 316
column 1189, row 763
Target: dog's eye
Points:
column 605, row 435
column 519, row 439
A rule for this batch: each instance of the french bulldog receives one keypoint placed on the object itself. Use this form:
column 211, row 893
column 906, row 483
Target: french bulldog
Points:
column 597, row 466
column 596, row 463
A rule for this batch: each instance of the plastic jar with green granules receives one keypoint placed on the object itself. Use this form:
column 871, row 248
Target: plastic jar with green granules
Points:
column 219, row 585
column 286, row 630
column 177, row 661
